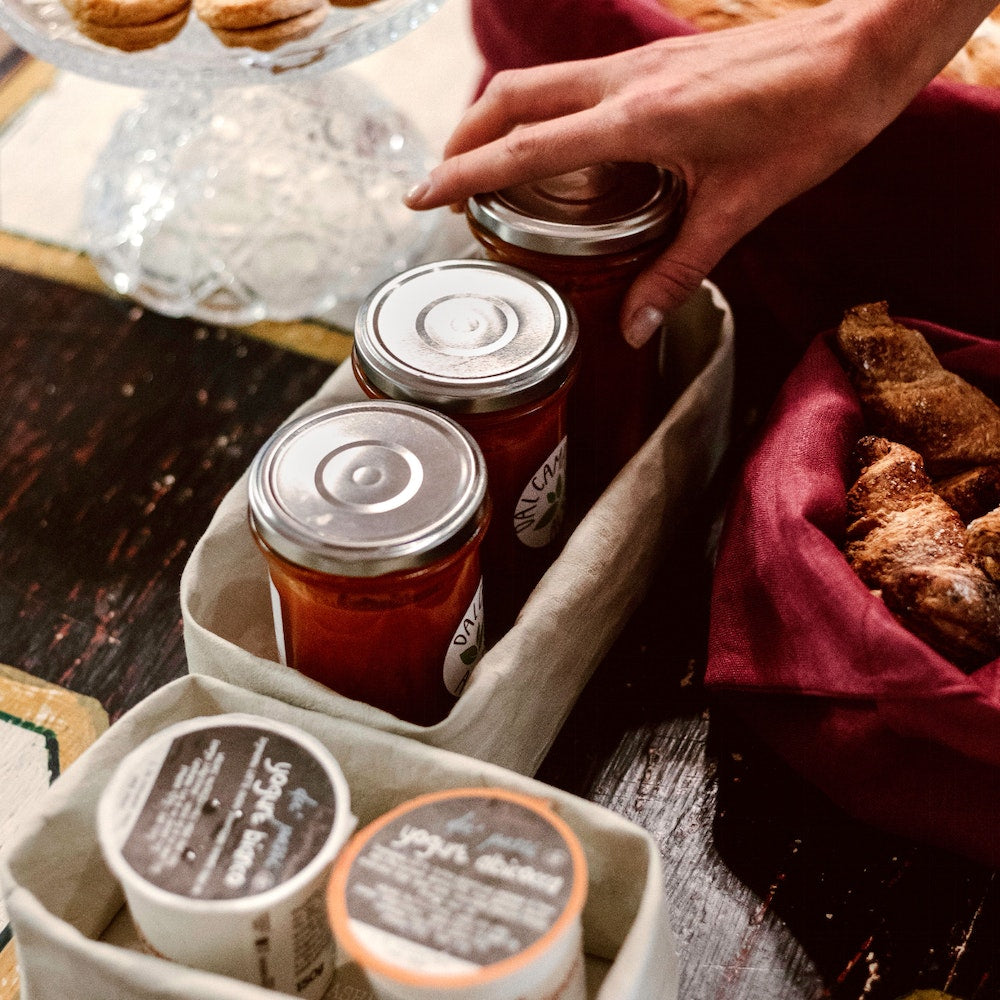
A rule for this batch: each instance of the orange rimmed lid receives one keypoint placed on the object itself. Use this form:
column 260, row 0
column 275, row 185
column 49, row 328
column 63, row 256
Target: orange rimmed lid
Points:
column 445, row 860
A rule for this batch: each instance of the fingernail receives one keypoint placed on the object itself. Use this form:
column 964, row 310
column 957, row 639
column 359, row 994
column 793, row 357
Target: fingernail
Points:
column 643, row 323
column 415, row 195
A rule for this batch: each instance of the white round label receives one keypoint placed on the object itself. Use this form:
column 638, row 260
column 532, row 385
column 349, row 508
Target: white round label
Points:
column 467, row 646
column 539, row 512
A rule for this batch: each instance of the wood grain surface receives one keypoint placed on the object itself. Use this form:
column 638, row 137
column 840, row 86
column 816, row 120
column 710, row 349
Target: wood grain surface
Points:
column 775, row 893
column 122, row 430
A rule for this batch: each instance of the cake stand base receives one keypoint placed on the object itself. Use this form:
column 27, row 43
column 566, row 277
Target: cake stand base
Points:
column 277, row 201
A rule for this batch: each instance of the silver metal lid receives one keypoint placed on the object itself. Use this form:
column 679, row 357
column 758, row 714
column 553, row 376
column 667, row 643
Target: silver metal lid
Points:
column 465, row 336
column 601, row 209
column 362, row 489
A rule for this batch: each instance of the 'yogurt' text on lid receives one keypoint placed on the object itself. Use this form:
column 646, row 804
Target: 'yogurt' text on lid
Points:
column 468, row 893
column 222, row 830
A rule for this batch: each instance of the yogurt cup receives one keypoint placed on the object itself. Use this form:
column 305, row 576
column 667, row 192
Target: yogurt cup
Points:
column 222, row 831
column 466, row 894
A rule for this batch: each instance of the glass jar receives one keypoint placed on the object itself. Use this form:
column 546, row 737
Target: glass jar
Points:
column 589, row 233
column 370, row 516
column 494, row 348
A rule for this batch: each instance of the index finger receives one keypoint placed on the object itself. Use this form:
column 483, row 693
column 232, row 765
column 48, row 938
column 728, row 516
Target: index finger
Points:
column 527, row 153
column 515, row 98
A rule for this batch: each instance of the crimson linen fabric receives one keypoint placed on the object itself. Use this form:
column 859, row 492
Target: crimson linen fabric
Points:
column 517, row 33
column 887, row 728
column 914, row 218
column 818, row 666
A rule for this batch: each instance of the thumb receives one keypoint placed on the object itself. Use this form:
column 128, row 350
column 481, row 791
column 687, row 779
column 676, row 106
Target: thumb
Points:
column 669, row 281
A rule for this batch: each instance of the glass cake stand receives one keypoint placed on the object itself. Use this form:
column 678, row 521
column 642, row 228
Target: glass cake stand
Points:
column 247, row 185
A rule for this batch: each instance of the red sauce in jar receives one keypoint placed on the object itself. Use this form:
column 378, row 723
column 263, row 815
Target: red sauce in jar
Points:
column 370, row 517
column 494, row 348
column 589, row 234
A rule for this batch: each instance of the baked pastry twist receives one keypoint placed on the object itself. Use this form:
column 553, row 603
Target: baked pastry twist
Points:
column 907, row 395
column 983, row 539
column 909, row 546
column 973, row 492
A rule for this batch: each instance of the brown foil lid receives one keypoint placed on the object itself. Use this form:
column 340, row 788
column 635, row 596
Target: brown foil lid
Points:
column 457, row 888
column 223, row 808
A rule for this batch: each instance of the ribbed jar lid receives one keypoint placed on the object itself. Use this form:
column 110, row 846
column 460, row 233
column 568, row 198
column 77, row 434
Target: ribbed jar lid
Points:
column 363, row 489
column 465, row 336
column 600, row 209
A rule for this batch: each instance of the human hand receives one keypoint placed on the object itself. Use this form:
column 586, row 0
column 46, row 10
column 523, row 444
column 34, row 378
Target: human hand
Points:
column 748, row 118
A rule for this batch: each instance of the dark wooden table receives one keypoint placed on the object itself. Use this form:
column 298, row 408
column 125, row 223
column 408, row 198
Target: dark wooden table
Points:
column 122, row 430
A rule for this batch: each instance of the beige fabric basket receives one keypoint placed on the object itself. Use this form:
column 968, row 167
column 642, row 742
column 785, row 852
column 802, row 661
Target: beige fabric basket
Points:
column 74, row 937
column 520, row 693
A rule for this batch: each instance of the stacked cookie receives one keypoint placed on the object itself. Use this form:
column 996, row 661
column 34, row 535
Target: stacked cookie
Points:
column 261, row 24
column 130, row 25
column 133, row 25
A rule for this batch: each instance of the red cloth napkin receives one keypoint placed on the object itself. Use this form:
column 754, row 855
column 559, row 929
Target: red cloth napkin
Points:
column 516, row 33
column 890, row 730
column 887, row 728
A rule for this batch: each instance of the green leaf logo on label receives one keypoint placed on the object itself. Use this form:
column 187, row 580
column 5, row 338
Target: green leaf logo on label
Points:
column 539, row 512
column 467, row 646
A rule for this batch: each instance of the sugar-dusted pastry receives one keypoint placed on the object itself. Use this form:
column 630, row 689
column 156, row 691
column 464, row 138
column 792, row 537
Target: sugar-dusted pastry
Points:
column 973, row 492
column 909, row 546
column 983, row 539
column 908, row 396
column 713, row 15
column 978, row 62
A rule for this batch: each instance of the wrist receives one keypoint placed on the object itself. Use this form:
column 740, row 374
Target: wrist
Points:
column 904, row 44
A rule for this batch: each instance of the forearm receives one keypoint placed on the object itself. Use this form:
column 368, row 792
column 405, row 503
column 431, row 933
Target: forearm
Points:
column 906, row 43
column 837, row 73
column 749, row 117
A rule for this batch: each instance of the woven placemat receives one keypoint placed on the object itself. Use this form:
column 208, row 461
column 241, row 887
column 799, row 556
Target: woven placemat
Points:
column 43, row 729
